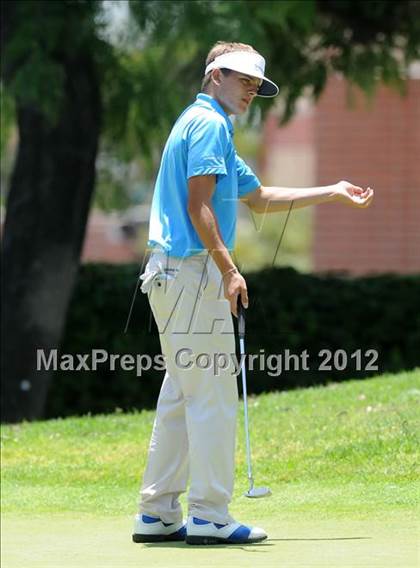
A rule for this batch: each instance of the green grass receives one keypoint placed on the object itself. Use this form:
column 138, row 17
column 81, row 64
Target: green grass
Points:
column 344, row 449
column 342, row 462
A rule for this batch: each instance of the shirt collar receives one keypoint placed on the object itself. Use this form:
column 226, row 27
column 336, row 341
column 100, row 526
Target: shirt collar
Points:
column 209, row 101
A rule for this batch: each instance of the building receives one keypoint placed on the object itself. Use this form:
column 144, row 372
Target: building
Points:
column 110, row 238
column 373, row 144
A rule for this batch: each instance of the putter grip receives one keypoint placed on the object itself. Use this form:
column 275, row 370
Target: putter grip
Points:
column 241, row 318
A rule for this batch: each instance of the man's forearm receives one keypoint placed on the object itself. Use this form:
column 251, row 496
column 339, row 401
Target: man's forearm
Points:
column 272, row 199
column 205, row 223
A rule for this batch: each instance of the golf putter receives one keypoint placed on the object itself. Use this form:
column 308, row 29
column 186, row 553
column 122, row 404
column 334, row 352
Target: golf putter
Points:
column 253, row 492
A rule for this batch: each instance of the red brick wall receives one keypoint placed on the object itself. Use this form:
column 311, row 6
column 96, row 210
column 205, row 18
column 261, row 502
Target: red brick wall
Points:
column 379, row 147
column 287, row 153
column 104, row 241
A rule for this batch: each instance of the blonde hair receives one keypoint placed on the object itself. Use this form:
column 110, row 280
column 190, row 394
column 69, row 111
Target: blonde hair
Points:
column 219, row 48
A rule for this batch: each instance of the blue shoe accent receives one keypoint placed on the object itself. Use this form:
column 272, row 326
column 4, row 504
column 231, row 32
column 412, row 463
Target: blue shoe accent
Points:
column 181, row 533
column 149, row 520
column 241, row 534
column 167, row 524
column 200, row 521
column 218, row 526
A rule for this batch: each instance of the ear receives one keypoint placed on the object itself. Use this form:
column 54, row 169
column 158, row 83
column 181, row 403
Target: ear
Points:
column 216, row 76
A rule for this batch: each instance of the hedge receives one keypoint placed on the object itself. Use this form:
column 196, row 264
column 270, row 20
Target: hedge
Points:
column 287, row 311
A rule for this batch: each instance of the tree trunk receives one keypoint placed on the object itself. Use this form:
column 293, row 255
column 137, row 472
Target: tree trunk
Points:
column 47, row 209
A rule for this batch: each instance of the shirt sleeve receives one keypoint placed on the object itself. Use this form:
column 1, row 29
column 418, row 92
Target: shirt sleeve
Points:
column 247, row 180
column 206, row 146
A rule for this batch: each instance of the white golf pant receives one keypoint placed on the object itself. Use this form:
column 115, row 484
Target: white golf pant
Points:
column 195, row 425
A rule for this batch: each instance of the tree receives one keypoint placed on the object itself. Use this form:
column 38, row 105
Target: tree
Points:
column 71, row 85
column 303, row 40
column 52, row 74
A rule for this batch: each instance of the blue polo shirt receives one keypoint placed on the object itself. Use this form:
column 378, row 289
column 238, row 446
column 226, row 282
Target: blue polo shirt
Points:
column 199, row 144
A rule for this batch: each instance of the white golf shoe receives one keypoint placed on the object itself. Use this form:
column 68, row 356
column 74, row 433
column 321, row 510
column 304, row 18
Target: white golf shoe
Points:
column 153, row 529
column 200, row 531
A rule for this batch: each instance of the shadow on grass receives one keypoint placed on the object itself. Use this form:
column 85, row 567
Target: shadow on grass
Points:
column 247, row 546
column 329, row 538
column 205, row 547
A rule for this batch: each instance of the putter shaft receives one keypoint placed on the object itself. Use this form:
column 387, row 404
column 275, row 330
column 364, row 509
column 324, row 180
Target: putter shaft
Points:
column 244, row 392
column 252, row 491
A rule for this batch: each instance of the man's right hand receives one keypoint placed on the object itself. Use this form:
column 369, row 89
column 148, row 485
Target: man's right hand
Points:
column 235, row 285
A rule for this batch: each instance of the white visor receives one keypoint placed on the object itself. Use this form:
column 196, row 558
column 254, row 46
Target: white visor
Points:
column 249, row 63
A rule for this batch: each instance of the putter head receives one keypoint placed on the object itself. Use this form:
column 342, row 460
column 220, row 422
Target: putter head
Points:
column 257, row 492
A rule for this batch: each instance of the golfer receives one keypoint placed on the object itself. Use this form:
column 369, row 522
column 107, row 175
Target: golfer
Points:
column 193, row 287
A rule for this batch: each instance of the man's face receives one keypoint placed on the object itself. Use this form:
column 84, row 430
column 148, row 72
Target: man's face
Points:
column 236, row 91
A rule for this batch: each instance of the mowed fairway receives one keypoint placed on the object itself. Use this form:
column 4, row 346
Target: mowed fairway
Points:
column 342, row 462
column 80, row 541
